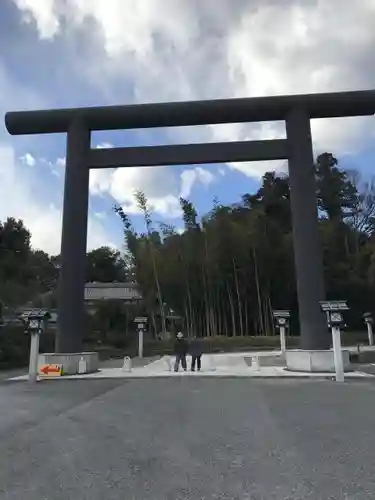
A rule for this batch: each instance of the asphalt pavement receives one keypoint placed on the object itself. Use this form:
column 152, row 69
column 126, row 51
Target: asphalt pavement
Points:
column 187, row 439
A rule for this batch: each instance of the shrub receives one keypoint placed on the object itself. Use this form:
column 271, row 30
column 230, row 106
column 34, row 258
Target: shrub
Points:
column 15, row 346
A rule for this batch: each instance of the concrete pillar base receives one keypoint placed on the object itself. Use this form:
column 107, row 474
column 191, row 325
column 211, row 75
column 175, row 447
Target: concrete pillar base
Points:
column 70, row 361
column 299, row 360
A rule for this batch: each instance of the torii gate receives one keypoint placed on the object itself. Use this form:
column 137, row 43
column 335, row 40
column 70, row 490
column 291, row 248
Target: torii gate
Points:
column 295, row 110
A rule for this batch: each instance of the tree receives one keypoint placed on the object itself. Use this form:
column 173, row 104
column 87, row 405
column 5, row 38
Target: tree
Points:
column 42, row 270
column 141, row 267
column 273, row 198
column 14, row 249
column 151, row 242
column 363, row 216
column 189, row 215
column 337, row 195
column 227, row 273
column 105, row 264
column 19, row 266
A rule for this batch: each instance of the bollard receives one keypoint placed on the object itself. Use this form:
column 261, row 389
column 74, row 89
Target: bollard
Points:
column 369, row 322
column 168, row 361
column 282, row 340
column 127, row 365
column 211, row 363
column 255, row 364
column 82, row 366
column 337, row 353
column 140, row 341
column 370, row 334
column 34, row 355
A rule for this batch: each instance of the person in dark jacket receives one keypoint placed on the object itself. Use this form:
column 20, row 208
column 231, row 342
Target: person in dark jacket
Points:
column 180, row 350
column 195, row 350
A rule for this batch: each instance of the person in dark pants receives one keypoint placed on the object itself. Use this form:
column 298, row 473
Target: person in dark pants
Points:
column 180, row 350
column 195, row 350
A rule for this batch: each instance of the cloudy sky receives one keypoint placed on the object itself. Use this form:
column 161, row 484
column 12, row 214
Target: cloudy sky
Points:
column 66, row 53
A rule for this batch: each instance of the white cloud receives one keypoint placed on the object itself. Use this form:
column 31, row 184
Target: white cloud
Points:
column 257, row 169
column 43, row 13
column 100, row 215
column 192, row 176
column 28, row 159
column 122, row 183
column 190, row 49
column 186, row 49
column 58, row 167
column 100, row 181
column 43, row 220
column 160, row 185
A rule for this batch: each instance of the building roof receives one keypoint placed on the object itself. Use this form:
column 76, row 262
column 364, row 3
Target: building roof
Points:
column 112, row 291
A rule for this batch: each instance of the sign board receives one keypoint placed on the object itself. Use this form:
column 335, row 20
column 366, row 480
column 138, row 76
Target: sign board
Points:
column 334, row 305
column 51, row 370
column 140, row 319
column 281, row 314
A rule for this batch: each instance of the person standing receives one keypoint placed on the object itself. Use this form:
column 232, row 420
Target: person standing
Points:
column 195, row 350
column 180, row 350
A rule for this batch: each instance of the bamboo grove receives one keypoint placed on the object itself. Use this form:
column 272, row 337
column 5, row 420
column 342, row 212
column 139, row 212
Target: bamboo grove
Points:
column 227, row 270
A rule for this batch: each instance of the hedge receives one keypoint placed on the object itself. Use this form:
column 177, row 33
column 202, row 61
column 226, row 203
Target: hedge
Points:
column 247, row 343
column 15, row 346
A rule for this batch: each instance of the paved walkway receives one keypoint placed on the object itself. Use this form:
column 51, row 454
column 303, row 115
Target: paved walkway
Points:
column 217, row 365
column 188, row 439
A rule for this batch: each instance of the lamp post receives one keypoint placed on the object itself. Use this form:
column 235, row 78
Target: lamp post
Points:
column 141, row 322
column 335, row 319
column 282, row 322
column 369, row 320
column 35, row 322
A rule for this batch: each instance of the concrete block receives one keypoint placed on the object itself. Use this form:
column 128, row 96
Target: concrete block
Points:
column 70, row 361
column 300, row 360
column 255, row 364
column 127, row 364
column 272, row 360
column 265, row 359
